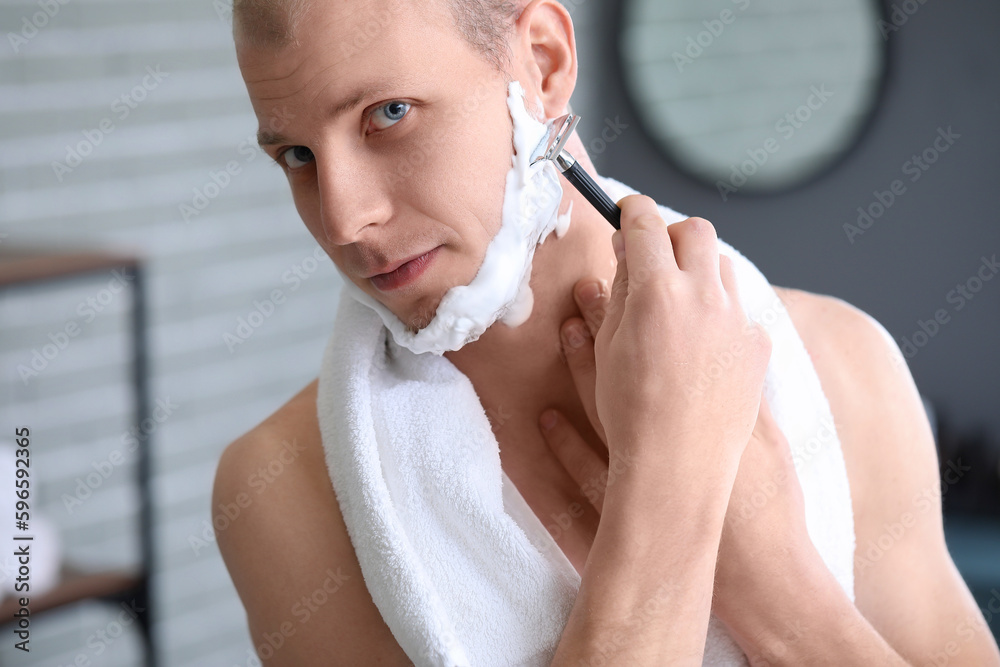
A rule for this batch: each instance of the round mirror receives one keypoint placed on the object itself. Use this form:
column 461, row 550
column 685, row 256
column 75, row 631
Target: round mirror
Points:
column 752, row 95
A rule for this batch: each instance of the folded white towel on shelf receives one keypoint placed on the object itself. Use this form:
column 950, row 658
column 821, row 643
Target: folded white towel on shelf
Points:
column 459, row 566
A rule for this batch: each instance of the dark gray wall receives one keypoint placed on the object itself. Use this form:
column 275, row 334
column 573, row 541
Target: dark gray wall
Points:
column 944, row 71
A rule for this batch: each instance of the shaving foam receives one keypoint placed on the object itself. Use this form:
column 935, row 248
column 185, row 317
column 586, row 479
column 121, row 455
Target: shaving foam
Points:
column 500, row 290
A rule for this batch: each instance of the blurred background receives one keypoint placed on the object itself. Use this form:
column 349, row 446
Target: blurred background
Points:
column 159, row 295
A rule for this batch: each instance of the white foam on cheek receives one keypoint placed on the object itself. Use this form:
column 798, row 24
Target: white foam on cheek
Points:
column 500, row 290
column 563, row 222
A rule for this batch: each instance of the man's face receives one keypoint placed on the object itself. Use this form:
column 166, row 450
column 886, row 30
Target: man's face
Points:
column 419, row 162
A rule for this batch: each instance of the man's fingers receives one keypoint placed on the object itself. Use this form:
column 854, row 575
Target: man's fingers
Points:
column 696, row 247
column 648, row 240
column 577, row 457
column 578, row 346
column 592, row 299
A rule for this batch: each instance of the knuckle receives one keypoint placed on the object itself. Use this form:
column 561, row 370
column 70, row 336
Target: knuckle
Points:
column 669, row 290
column 698, row 226
column 712, row 297
column 635, row 209
column 638, row 202
column 650, row 221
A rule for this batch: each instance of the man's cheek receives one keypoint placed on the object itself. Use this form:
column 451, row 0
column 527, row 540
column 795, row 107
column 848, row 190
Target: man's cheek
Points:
column 308, row 207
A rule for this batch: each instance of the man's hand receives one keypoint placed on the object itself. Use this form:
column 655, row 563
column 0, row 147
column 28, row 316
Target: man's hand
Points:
column 769, row 573
column 766, row 467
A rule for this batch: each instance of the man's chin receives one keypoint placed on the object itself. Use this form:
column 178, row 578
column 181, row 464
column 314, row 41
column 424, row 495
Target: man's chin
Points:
column 421, row 316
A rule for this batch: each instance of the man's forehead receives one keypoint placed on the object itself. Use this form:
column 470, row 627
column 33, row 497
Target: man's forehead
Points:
column 342, row 64
column 277, row 23
column 341, row 44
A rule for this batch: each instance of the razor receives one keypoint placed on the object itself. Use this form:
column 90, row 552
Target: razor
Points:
column 552, row 147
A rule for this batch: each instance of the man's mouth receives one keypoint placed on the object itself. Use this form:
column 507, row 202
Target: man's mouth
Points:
column 389, row 267
column 402, row 272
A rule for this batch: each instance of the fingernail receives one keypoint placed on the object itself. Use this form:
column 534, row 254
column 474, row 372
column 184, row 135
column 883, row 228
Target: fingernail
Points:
column 590, row 292
column 574, row 336
column 548, row 419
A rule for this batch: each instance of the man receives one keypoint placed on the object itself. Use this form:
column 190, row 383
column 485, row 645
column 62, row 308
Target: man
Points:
column 390, row 122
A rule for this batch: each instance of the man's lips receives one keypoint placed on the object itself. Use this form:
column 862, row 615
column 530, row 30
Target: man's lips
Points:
column 392, row 266
column 406, row 273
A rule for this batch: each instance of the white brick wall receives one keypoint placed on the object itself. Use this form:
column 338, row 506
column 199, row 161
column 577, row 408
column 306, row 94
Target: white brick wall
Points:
column 202, row 275
column 56, row 89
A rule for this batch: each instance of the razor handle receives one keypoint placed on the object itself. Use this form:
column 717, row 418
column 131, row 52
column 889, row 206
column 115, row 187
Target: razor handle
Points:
column 582, row 181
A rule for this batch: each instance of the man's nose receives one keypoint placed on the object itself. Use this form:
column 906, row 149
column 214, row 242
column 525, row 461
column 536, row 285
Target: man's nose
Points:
column 352, row 198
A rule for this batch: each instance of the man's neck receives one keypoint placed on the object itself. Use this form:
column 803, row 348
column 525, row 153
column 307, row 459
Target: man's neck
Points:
column 518, row 372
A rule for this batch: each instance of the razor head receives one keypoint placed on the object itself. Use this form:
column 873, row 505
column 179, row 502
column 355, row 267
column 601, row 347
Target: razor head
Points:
column 557, row 132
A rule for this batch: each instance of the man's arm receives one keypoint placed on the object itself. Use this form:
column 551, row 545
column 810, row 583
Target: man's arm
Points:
column 285, row 544
column 906, row 585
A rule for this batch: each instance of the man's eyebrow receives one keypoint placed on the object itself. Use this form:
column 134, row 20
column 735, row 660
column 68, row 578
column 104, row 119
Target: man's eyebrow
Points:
column 357, row 96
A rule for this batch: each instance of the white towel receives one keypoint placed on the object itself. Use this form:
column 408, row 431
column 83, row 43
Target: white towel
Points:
column 459, row 566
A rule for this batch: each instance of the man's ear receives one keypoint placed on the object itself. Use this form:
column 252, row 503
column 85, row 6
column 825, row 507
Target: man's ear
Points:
column 546, row 53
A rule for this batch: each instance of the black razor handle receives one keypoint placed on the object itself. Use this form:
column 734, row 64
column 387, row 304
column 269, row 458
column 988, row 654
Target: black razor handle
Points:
column 582, row 181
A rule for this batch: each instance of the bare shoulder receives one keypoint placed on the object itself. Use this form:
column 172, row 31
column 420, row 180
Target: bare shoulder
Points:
column 876, row 407
column 905, row 582
column 828, row 325
column 284, row 542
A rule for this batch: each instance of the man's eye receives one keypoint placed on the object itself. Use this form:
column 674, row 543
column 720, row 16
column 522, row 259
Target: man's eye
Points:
column 389, row 114
column 297, row 156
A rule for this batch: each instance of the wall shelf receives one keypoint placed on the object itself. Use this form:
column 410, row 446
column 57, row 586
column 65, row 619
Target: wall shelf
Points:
column 23, row 267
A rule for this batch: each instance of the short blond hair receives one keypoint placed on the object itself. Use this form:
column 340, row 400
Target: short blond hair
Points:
column 266, row 23
column 486, row 25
